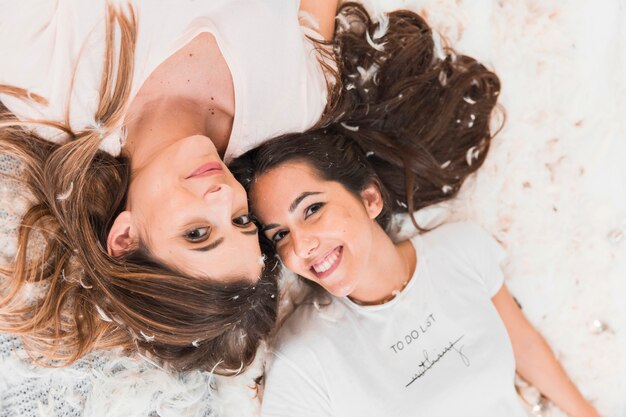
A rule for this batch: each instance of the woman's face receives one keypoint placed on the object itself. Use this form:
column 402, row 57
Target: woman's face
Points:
column 191, row 213
column 321, row 231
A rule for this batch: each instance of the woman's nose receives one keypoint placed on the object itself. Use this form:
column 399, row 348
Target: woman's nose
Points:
column 219, row 201
column 212, row 189
column 304, row 245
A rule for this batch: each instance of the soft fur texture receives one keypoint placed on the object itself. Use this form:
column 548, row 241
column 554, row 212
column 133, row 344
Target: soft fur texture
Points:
column 553, row 191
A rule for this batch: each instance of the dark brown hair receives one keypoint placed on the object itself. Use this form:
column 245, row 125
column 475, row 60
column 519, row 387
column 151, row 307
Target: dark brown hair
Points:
column 414, row 123
column 88, row 299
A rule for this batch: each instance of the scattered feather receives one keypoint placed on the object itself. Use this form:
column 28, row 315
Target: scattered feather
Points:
column 383, row 25
column 469, row 100
column 439, row 52
column 380, row 47
column 446, row 164
column 351, row 128
column 146, row 337
column 87, row 287
column 367, row 74
column 472, row 153
column 66, row 194
column 102, row 314
column 344, row 25
column 443, row 78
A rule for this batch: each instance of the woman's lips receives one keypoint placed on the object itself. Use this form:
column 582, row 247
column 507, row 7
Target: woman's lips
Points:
column 328, row 264
column 204, row 170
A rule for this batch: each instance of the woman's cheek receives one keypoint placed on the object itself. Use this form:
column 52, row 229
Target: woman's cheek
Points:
column 287, row 258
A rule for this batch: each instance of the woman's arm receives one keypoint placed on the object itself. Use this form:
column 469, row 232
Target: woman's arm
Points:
column 324, row 12
column 536, row 363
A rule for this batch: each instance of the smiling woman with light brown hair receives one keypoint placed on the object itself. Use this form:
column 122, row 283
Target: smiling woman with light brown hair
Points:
column 120, row 114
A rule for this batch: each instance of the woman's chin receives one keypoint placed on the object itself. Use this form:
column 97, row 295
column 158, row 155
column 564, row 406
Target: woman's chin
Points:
column 340, row 291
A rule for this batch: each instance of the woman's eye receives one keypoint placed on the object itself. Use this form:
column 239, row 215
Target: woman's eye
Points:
column 244, row 220
column 312, row 209
column 199, row 234
column 278, row 236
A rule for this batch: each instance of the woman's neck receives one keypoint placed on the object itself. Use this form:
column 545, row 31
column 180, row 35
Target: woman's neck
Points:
column 391, row 266
column 190, row 93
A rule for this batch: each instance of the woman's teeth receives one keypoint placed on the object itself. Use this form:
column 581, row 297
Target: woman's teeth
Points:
column 327, row 263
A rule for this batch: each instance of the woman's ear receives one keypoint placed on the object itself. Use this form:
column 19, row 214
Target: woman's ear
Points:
column 122, row 236
column 372, row 200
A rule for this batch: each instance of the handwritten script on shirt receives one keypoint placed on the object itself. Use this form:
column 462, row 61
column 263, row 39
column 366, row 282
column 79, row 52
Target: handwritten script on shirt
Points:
column 429, row 362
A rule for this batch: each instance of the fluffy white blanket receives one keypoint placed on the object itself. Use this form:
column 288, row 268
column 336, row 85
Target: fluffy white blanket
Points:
column 553, row 191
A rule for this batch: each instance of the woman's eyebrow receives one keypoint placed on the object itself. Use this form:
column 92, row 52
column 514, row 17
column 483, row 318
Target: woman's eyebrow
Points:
column 221, row 240
column 299, row 199
column 292, row 208
column 268, row 227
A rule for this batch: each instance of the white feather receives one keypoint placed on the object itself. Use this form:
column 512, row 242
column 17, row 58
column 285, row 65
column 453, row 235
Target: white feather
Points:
column 367, row 74
column 383, row 25
column 344, row 25
column 352, row 128
column 378, row 46
column 471, row 154
column 65, row 195
column 469, row 100
column 148, row 338
column 102, row 314
column 87, row 287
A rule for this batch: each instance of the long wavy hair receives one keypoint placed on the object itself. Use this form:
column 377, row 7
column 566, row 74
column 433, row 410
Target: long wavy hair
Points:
column 86, row 299
column 415, row 123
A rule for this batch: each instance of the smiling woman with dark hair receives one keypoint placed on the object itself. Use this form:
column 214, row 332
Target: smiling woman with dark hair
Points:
column 421, row 326
column 424, row 326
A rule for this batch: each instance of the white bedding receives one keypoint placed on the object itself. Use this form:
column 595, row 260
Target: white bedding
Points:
column 553, row 191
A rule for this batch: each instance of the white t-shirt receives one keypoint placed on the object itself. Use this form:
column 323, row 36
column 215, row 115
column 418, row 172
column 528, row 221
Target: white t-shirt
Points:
column 439, row 349
column 278, row 83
